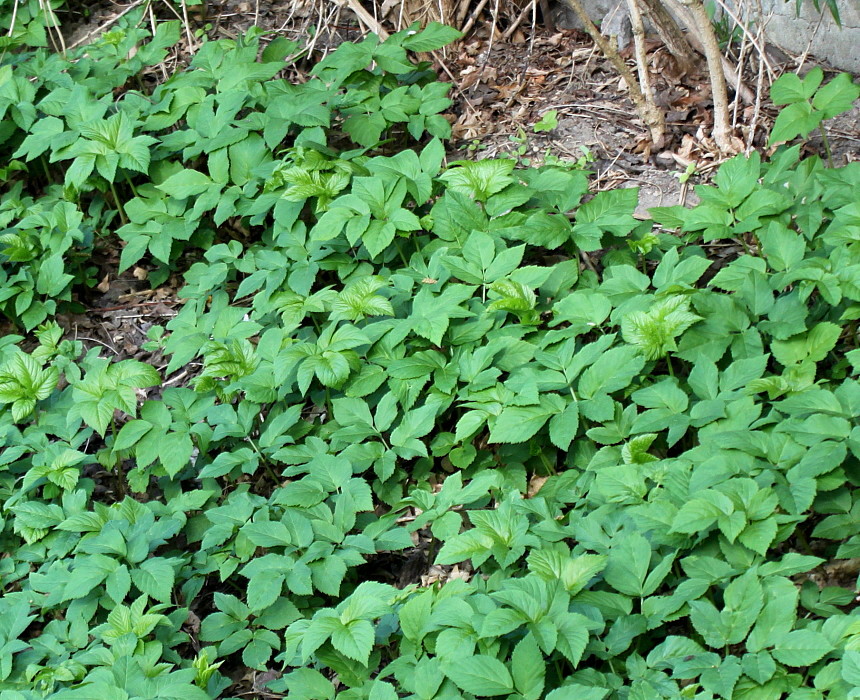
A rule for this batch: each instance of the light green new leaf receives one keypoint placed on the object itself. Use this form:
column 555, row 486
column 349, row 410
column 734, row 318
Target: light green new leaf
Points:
column 654, row 331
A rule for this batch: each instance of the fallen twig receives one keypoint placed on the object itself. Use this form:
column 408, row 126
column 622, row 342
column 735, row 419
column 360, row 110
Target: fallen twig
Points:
column 98, row 30
column 367, row 19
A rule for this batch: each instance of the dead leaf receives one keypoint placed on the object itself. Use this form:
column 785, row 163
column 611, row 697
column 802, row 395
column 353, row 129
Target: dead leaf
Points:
column 536, row 484
column 192, row 624
column 104, row 285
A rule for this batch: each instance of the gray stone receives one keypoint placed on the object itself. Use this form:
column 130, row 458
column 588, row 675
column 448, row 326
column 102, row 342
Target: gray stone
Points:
column 816, row 30
column 612, row 16
column 793, row 33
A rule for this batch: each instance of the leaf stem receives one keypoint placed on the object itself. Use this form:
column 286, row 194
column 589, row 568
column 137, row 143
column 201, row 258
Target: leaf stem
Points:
column 116, row 201
column 130, row 184
column 400, row 253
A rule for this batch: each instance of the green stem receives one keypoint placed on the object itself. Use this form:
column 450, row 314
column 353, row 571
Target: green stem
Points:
column 669, row 365
column 130, row 184
column 549, row 466
column 264, row 461
column 116, row 201
column 400, row 253
column 47, row 171
column 559, row 672
column 384, row 441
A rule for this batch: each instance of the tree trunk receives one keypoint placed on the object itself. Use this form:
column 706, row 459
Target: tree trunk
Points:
column 702, row 24
column 669, row 31
column 653, row 117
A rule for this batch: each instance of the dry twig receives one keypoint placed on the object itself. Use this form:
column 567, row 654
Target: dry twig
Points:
column 474, row 17
column 367, row 19
column 98, row 30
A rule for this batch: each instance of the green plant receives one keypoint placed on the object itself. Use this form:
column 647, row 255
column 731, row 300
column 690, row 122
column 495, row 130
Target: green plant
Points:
column 689, row 171
column 26, row 23
column 548, row 122
column 809, row 104
column 619, row 473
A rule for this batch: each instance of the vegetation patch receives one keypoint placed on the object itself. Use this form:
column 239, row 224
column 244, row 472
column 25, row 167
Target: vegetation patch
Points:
column 628, row 448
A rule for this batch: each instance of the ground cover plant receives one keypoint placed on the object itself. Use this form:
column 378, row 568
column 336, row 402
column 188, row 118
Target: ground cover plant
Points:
column 629, row 447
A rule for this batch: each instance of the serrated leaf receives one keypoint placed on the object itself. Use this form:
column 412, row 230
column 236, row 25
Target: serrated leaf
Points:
column 155, row 578
column 529, row 668
column 354, row 640
column 480, row 675
column 801, row 648
column 186, row 183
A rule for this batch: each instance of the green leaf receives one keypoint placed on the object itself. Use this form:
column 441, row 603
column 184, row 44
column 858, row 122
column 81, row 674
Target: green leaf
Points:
column 790, row 88
column 801, row 648
column 837, row 96
column 529, row 668
column 563, row 426
column 572, row 636
column 354, row 640
column 415, row 616
column 628, row 563
column 130, row 434
column 613, row 370
column 470, row 544
column 434, row 36
column 480, row 675
column 575, row 691
column 737, row 178
column 696, row 515
column 851, row 667
column 52, row 279
column 155, row 578
column 547, row 122
column 584, row 309
column 263, row 590
column 519, row 423
column 783, row 248
column 175, row 450
column 186, row 183
column 798, row 119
